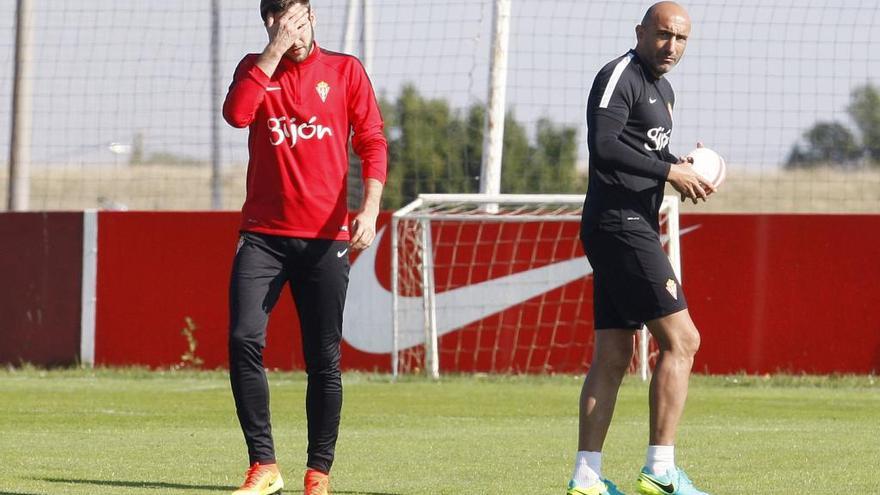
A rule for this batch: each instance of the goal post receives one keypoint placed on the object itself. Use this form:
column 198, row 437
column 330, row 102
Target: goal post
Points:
column 501, row 289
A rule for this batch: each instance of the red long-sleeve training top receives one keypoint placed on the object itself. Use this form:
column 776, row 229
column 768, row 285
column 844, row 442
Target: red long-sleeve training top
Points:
column 300, row 120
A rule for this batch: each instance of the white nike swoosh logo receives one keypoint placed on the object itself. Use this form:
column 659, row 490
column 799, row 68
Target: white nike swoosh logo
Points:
column 340, row 254
column 652, row 100
column 367, row 324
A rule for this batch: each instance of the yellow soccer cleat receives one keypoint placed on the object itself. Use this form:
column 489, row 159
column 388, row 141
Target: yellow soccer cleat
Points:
column 316, row 483
column 261, row 479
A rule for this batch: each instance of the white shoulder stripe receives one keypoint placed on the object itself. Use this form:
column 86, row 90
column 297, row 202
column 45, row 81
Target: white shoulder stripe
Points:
column 612, row 83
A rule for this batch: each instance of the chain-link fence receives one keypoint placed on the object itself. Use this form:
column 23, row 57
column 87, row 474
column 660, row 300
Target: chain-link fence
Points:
column 123, row 108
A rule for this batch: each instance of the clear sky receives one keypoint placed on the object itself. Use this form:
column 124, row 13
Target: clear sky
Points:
column 757, row 73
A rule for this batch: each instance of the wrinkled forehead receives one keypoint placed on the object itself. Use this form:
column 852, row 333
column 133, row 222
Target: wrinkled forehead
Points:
column 672, row 21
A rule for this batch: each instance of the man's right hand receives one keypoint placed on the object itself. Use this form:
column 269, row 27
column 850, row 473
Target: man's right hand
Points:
column 688, row 183
column 284, row 28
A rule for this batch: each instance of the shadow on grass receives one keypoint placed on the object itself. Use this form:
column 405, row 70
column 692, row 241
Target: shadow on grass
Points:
column 154, row 485
column 19, row 493
column 139, row 484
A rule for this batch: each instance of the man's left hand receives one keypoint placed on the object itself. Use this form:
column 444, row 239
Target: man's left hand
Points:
column 363, row 230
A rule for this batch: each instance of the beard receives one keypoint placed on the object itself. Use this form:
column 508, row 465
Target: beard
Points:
column 298, row 54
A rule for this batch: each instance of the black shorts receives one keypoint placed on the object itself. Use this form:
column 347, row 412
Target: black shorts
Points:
column 633, row 280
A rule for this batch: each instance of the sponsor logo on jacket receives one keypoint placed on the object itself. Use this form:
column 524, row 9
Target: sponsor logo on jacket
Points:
column 288, row 130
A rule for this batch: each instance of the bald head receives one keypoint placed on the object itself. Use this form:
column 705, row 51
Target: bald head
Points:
column 661, row 10
column 662, row 36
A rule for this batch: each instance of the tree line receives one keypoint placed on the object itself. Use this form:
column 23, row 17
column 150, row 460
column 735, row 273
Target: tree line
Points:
column 433, row 148
column 833, row 143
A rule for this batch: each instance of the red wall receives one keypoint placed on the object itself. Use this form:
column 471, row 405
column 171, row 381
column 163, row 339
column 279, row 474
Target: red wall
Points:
column 795, row 293
column 769, row 293
column 157, row 269
column 154, row 271
column 40, row 287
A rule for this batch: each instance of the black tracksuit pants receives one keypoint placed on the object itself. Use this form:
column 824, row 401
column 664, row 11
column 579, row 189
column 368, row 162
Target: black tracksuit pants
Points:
column 317, row 272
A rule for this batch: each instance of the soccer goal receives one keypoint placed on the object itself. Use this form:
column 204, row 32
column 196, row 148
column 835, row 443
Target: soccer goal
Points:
column 498, row 284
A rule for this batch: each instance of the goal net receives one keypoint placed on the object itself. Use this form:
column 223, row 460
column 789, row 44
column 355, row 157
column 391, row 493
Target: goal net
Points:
column 497, row 284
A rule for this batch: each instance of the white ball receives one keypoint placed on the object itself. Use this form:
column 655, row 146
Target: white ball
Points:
column 710, row 165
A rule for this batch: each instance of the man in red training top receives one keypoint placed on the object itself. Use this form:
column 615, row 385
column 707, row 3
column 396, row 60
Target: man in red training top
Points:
column 300, row 103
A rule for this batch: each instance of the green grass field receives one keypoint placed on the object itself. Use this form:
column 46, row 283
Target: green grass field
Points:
column 138, row 432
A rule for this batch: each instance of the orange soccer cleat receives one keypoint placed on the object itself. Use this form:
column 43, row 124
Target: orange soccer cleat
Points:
column 316, row 483
column 261, row 479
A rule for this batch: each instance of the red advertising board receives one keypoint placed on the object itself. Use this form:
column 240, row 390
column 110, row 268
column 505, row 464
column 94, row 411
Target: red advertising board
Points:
column 156, row 270
column 40, row 287
column 768, row 292
column 790, row 293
